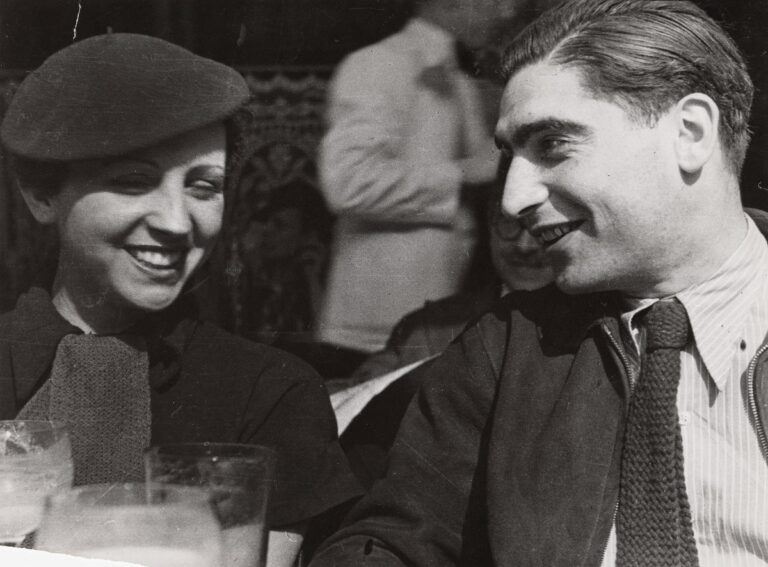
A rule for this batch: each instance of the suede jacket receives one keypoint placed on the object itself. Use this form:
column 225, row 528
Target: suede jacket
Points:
column 510, row 452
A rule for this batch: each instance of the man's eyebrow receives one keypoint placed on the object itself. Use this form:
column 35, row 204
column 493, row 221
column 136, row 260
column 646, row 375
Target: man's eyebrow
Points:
column 526, row 131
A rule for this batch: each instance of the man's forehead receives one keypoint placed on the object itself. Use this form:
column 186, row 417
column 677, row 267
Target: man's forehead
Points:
column 545, row 92
column 542, row 85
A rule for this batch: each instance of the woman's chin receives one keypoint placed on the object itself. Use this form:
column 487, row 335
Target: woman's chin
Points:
column 151, row 301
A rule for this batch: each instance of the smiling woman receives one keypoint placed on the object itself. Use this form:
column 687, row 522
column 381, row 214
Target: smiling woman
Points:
column 133, row 229
column 120, row 143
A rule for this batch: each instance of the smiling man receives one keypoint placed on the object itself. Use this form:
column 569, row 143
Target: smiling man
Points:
column 616, row 418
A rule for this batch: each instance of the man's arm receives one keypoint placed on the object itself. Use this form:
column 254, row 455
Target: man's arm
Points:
column 363, row 162
column 422, row 512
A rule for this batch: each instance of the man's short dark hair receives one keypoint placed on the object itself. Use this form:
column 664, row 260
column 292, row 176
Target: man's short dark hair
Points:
column 644, row 55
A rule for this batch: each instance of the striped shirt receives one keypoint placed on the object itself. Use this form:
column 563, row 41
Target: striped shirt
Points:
column 726, row 473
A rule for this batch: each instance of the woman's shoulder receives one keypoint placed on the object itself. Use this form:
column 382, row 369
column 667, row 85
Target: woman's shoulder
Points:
column 211, row 346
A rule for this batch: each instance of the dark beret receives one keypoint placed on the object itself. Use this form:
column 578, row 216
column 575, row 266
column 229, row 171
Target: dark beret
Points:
column 112, row 94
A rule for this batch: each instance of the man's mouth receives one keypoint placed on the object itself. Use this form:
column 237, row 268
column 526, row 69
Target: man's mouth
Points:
column 549, row 235
column 157, row 257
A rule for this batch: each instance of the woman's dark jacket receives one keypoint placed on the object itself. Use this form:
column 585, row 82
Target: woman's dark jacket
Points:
column 206, row 385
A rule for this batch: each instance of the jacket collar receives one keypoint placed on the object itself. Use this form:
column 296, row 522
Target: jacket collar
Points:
column 36, row 329
column 562, row 320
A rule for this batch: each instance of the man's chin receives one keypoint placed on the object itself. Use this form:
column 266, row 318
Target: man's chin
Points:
column 571, row 285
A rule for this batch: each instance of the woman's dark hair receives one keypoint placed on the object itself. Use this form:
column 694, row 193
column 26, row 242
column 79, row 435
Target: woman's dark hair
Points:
column 43, row 177
column 644, row 55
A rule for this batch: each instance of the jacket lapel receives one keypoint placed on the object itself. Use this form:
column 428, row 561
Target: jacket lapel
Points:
column 553, row 466
column 35, row 332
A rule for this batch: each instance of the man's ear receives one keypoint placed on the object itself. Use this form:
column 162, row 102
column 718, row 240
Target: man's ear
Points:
column 698, row 120
column 39, row 203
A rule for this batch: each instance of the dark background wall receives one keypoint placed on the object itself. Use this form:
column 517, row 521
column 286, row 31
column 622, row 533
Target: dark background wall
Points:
column 237, row 32
column 290, row 33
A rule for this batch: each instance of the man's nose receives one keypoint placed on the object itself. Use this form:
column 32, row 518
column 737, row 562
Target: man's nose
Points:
column 524, row 190
column 169, row 211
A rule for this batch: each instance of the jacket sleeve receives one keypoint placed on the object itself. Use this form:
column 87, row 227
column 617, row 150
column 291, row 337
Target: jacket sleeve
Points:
column 291, row 413
column 423, row 512
column 364, row 166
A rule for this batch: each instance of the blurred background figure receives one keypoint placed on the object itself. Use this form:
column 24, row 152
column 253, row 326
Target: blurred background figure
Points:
column 408, row 149
column 517, row 262
column 370, row 404
column 375, row 399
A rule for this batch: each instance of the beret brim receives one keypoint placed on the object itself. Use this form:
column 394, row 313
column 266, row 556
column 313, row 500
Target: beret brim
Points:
column 113, row 94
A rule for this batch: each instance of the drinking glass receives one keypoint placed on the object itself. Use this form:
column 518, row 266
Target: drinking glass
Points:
column 240, row 478
column 153, row 526
column 35, row 461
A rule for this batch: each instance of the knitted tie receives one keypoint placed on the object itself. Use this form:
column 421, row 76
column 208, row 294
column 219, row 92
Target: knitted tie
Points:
column 99, row 386
column 653, row 525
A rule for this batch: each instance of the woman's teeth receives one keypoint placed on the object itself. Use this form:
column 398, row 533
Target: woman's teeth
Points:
column 157, row 259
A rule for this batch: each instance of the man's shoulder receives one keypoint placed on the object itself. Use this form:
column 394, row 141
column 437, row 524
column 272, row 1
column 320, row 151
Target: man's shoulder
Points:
column 546, row 312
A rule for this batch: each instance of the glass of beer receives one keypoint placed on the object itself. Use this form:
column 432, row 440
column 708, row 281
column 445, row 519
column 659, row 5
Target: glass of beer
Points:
column 240, row 479
column 153, row 526
column 35, row 461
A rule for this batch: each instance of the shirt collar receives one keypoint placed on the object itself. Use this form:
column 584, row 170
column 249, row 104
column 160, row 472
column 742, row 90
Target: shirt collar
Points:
column 436, row 44
column 718, row 307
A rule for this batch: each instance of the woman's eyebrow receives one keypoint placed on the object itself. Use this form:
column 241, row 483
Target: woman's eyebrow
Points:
column 119, row 160
column 198, row 169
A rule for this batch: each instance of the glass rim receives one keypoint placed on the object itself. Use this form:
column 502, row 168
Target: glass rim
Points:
column 99, row 494
column 212, row 450
column 37, row 424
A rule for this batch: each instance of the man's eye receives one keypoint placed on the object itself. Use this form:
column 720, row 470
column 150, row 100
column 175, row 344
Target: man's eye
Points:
column 553, row 148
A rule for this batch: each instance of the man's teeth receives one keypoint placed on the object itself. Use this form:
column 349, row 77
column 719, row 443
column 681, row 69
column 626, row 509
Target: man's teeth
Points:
column 550, row 235
column 156, row 258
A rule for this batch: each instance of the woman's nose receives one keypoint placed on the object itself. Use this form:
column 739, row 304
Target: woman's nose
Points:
column 524, row 190
column 169, row 211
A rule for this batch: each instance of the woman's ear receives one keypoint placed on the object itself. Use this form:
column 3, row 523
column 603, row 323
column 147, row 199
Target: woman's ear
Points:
column 39, row 203
column 698, row 119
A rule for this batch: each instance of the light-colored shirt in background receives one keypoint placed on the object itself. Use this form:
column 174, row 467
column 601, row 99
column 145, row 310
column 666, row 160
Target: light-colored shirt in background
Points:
column 388, row 170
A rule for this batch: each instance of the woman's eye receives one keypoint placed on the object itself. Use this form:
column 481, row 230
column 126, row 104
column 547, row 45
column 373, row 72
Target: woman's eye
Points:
column 206, row 188
column 133, row 182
